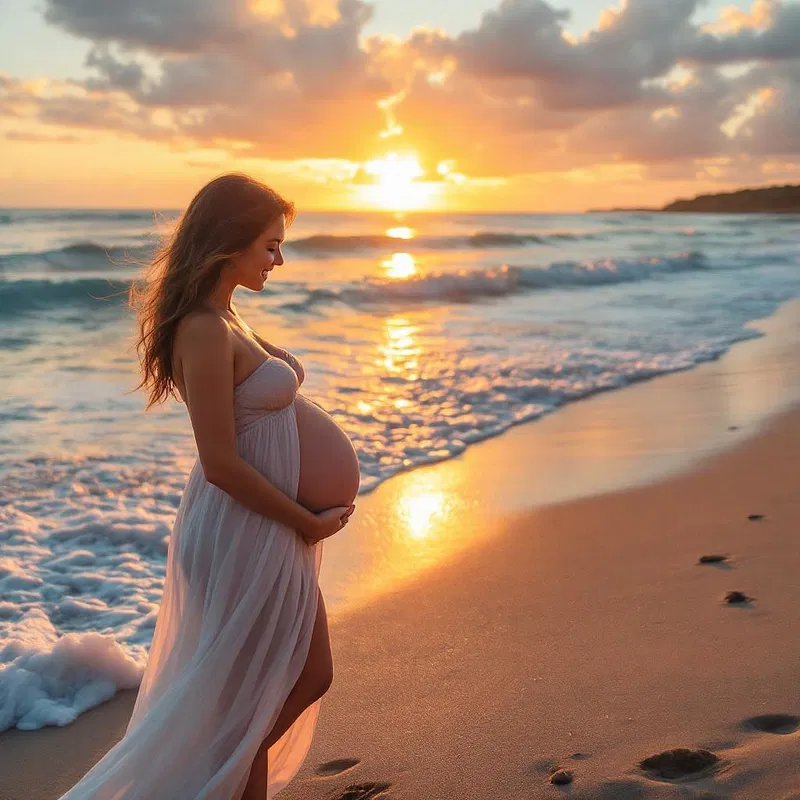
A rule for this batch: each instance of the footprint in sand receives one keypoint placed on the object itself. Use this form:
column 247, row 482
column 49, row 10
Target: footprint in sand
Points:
column 773, row 723
column 336, row 767
column 549, row 766
column 364, row 791
column 680, row 763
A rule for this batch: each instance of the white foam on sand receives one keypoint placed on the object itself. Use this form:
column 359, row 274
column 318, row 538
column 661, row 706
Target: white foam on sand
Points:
column 80, row 591
column 54, row 677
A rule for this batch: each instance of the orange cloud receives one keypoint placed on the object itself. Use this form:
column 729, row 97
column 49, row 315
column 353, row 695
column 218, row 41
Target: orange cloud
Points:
column 297, row 88
column 733, row 20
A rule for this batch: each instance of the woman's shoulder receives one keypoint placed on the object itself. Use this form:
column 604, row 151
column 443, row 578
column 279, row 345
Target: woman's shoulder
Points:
column 203, row 323
column 199, row 331
column 201, row 336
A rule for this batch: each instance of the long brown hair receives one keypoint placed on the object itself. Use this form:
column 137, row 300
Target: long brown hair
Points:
column 224, row 218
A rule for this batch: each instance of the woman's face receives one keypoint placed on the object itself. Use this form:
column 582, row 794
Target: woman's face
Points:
column 251, row 267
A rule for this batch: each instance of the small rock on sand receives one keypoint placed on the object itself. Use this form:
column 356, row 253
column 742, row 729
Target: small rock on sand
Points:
column 737, row 597
column 561, row 777
column 714, row 558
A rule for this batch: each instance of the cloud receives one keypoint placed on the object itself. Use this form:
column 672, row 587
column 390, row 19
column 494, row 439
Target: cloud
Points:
column 771, row 32
column 26, row 136
column 526, row 40
column 289, row 83
column 686, row 127
column 645, row 86
column 128, row 76
column 772, row 128
column 157, row 26
column 288, row 79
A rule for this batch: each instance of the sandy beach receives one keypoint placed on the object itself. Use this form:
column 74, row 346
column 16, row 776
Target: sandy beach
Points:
column 581, row 635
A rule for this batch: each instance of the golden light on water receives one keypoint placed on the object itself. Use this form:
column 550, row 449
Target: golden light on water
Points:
column 409, row 529
column 401, row 233
column 400, row 353
column 399, row 265
column 421, row 511
column 412, row 526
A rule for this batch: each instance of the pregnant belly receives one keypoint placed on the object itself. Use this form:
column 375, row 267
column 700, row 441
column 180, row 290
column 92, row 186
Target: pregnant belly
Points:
column 329, row 474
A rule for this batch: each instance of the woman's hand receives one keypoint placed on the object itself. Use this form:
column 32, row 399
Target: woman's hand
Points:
column 328, row 522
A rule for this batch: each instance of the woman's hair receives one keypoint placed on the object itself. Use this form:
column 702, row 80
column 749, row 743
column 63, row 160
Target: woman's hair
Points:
column 225, row 217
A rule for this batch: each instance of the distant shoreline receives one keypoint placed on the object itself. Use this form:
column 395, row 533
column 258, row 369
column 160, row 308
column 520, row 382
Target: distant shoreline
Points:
column 764, row 200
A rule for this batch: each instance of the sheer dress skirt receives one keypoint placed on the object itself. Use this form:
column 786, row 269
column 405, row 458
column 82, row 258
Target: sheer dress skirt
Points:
column 231, row 639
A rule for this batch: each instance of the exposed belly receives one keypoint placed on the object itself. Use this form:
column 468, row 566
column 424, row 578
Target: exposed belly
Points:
column 329, row 474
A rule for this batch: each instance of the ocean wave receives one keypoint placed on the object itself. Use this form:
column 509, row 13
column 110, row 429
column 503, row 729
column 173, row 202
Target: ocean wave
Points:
column 609, row 270
column 490, row 239
column 464, row 286
column 475, row 285
column 79, row 215
column 336, row 245
column 24, row 296
column 78, row 256
column 89, row 254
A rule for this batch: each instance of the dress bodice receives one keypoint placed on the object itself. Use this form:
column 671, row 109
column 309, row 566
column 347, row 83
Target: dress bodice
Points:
column 270, row 387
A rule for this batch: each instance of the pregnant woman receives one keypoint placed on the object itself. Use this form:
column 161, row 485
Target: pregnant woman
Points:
column 240, row 656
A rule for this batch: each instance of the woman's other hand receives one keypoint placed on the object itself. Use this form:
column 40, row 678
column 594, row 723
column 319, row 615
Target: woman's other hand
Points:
column 328, row 522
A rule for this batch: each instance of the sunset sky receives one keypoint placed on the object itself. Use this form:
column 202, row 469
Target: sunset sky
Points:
column 421, row 104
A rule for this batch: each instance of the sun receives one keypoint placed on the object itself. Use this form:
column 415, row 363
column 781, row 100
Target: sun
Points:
column 395, row 183
column 395, row 169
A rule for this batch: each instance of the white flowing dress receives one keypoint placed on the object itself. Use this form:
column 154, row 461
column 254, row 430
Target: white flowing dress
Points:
column 233, row 630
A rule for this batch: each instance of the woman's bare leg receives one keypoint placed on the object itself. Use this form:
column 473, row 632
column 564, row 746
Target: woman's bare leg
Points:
column 313, row 682
column 256, row 788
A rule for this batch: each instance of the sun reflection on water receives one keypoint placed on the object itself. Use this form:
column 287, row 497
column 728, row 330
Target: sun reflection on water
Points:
column 421, row 511
column 399, row 265
column 414, row 529
column 401, row 232
column 400, row 352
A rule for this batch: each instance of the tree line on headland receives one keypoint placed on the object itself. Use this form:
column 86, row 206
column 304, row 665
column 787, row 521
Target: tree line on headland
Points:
column 769, row 199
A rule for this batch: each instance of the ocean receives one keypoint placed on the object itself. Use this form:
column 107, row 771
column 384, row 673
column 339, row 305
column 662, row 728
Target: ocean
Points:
column 420, row 333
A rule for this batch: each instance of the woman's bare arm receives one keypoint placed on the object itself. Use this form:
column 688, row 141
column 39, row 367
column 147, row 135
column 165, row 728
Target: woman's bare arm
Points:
column 204, row 350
